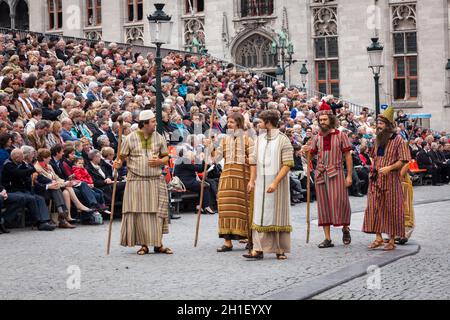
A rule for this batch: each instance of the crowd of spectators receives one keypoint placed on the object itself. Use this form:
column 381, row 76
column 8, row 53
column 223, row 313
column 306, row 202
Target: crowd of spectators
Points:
column 60, row 101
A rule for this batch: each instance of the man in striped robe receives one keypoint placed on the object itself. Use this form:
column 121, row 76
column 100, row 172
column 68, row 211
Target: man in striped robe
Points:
column 385, row 211
column 332, row 146
column 145, row 201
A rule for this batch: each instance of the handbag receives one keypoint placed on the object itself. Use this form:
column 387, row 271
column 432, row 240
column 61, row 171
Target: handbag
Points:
column 176, row 184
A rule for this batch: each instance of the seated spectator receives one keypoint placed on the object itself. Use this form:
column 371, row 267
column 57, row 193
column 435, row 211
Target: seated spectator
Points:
column 66, row 132
column 186, row 171
column 36, row 116
column 100, row 177
column 54, row 136
column 61, row 163
column 43, row 167
column 36, row 137
column 48, row 110
column 19, row 180
column 439, row 160
column 424, row 161
column 48, row 189
column 82, row 175
column 5, row 148
column 17, row 140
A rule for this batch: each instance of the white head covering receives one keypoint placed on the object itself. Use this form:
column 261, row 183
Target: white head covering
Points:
column 146, row 115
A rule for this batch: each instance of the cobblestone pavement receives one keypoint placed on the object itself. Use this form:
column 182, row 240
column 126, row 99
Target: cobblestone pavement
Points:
column 425, row 275
column 39, row 265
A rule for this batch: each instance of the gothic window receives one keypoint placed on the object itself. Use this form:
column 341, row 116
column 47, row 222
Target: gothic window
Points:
column 194, row 6
column 326, row 49
column 5, row 19
column 94, row 12
column 254, row 52
column 134, row 35
column 404, row 37
column 255, row 8
column 55, row 14
column 135, row 10
column 194, row 34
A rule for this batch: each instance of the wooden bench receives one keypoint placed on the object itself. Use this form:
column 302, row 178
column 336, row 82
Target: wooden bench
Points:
column 178, row 196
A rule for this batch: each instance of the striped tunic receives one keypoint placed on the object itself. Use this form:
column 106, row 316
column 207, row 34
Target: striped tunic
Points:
column 145, row 202
column 233, row 217
column 332, row 195
column 385, row 211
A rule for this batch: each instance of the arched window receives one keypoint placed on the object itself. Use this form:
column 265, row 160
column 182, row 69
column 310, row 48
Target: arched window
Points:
column 254, row 52
column 255, row 8
column 135, row 10
column 5, row 19
column 22, row 15
column 55, row 14
column 94, row 12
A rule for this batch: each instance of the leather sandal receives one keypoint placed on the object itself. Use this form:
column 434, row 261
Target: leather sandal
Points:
column 346, row 238
column 225, row 248
column 257, row 256
column 143, row 251
column 281, row 256
column 163, row 250
column 326, row 244
column 376, row 244
column 389, row 247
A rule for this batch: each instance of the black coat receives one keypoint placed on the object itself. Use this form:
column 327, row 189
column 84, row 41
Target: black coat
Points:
column 50, row 114
column 17, row 178
column 424, row 159
column 99, row 181
column 58, row 169
column 186, row 171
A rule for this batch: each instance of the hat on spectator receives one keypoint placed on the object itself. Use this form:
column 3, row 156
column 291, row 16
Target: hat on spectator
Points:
column 146, row 115
column 186, row 117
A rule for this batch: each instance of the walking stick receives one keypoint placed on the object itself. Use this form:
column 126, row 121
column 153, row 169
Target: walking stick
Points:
column 113, row 200
column 205, row 172
column 247, row 209
column 308, row 197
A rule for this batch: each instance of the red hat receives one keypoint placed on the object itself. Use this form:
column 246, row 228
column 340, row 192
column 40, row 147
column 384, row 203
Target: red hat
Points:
column 324, row 109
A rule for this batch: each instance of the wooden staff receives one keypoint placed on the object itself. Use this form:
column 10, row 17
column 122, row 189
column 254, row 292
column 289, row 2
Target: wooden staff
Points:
column 205, row 172
column 308, row 197
column 113, row 200
column 247, row 209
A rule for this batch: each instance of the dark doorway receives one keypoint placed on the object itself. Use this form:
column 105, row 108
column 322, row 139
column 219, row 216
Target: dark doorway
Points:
column 5, row 19
column 22, row 16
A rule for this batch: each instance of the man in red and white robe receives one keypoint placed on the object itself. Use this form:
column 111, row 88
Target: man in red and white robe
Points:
column 331, row 148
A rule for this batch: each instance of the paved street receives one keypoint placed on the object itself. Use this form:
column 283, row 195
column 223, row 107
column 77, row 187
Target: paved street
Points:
column 37, row 265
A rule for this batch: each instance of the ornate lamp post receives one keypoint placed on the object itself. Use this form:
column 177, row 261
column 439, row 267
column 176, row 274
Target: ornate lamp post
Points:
column 285, row 49
column 160, row 33
column 304, row 75
column 375, row 51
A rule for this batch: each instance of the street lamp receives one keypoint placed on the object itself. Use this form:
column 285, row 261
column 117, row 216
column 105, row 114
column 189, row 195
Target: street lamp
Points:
column 304, row 75
column 375, row 51
column 285, row 48
column 447, row 69
column 160, row 33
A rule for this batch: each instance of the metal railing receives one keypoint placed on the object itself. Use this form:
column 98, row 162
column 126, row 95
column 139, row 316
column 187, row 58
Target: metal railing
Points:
column 267, row 79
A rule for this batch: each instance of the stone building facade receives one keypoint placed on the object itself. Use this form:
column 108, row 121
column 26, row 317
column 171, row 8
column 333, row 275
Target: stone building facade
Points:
column 331, row 35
